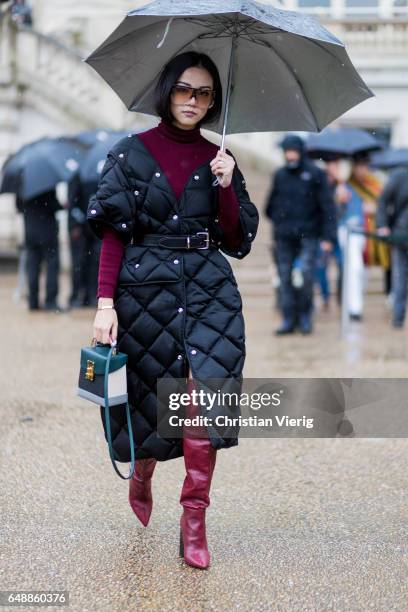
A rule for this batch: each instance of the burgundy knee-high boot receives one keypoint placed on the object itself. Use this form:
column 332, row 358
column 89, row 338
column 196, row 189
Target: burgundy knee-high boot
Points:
column 199, row 460
column 140, row 489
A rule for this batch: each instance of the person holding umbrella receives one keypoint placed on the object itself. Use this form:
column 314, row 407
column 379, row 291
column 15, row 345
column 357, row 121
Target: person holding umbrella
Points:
column 302, row 211
column 84, row 246
column 179, row 314
column 194, row 326
column 358, row 213
column 392, row 218
column 368, row 188
column 41, row 231
column 32, row 174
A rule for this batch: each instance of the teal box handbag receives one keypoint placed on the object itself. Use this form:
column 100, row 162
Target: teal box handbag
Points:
column 102, row 380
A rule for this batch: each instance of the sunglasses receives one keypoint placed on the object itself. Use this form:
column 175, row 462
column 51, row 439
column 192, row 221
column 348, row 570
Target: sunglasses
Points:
column 183, row 93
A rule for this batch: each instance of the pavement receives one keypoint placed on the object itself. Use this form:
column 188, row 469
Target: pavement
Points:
column 294, row 524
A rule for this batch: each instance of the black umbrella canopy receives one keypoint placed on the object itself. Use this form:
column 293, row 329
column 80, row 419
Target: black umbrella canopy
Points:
column 91, row 167
column 90, row 138
column 390, row 158
column 343, row 142
column 280, row 70
column 37, row 167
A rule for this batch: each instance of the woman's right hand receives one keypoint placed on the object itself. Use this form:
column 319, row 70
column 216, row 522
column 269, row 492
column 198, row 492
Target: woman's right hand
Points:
column 105, row 326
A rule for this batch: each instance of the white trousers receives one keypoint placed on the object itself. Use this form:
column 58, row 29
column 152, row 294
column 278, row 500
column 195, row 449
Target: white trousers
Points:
column 355, row 270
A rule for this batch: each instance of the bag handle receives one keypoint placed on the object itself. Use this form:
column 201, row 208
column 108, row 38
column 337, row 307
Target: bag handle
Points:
column 107, row 421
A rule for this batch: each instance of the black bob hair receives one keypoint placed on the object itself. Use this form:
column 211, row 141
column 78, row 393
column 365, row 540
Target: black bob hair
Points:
column 171, row 73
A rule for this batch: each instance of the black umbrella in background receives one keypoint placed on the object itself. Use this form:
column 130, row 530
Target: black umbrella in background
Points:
column 390, row 158
column 90, row 138
column 343, row 142
column 38, row 166
column 94, row 160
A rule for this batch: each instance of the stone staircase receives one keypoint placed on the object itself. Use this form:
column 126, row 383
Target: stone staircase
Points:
column 54, row 75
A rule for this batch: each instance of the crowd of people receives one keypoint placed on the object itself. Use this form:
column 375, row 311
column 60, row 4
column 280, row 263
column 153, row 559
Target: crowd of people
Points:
column 312, row 207
column 20, row 11
column 316, row 210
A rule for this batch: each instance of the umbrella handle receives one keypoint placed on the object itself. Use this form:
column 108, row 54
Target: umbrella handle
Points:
column 227, row 101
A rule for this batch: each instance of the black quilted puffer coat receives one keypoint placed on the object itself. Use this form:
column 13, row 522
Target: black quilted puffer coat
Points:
column 175, row 307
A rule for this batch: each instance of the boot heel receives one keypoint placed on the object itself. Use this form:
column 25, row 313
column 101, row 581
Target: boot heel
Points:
column 181, row 545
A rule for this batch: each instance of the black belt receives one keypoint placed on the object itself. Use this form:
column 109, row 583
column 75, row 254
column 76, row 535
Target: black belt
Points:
column 200, row 240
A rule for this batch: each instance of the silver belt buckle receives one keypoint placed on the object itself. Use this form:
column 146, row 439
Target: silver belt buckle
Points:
column 207, row 239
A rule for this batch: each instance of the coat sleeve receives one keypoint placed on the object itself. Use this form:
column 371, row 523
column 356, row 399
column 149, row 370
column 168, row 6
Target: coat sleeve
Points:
column 113, row 205
column 248, row 218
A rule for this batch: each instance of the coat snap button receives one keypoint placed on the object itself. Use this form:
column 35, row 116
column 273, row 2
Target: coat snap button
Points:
column 216, row 219
column 123, row 224
column 121, row 155
column 193, row 352
column 196, row 177
column 180, row 309
column 239, row 252
column 179, row 356
column 93, row 211
column 249, row 234
column 136, row 192
column 137, row 265
column 175, row 217
column 176, row 261
column 157, row 174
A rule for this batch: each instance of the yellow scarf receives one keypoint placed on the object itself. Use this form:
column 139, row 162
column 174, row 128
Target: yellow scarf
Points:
column 377, row 252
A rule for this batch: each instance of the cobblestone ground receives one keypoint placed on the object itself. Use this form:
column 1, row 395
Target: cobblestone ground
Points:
column 294, row 525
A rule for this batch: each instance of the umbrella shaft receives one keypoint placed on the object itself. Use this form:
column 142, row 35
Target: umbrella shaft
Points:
column 229, row 85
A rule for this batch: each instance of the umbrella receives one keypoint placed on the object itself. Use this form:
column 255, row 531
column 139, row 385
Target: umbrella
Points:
column 37, row 167
column 283, row 70
column 390, row 158
column 89, row 138
column 341, row 141
column 91, row 168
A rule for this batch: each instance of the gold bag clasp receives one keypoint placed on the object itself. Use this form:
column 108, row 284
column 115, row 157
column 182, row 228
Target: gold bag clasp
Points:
column 90, row 370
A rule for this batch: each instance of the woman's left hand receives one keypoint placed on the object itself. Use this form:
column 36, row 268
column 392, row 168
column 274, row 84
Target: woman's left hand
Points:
column 223, row 166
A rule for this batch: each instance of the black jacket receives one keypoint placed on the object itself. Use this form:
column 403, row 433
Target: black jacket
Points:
column 175, row 307
column 392, row 208
column 40, row 223
column 300, row 203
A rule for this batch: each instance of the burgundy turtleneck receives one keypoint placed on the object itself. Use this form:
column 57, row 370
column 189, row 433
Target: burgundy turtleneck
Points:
column 178, row 152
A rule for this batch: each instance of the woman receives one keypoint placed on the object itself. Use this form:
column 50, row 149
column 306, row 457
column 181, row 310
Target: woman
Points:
column 369, row 188
column 173, row 306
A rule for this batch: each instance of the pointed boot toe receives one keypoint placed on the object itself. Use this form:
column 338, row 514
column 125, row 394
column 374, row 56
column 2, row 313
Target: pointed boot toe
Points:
column 143, row 510
column 140, row 490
